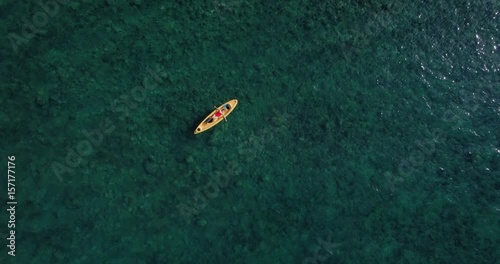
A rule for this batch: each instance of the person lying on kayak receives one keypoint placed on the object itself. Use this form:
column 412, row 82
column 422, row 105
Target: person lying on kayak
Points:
column 218, row 114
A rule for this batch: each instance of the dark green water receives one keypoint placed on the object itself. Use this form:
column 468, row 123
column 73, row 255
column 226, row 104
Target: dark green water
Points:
column 366, row 132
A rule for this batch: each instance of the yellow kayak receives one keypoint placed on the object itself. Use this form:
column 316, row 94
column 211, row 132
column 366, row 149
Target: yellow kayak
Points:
column 216, row 116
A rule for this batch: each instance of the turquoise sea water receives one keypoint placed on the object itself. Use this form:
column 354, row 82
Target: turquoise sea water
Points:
column 366, row 132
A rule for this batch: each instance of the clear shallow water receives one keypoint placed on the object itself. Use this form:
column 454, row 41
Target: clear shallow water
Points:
column 365, row 133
